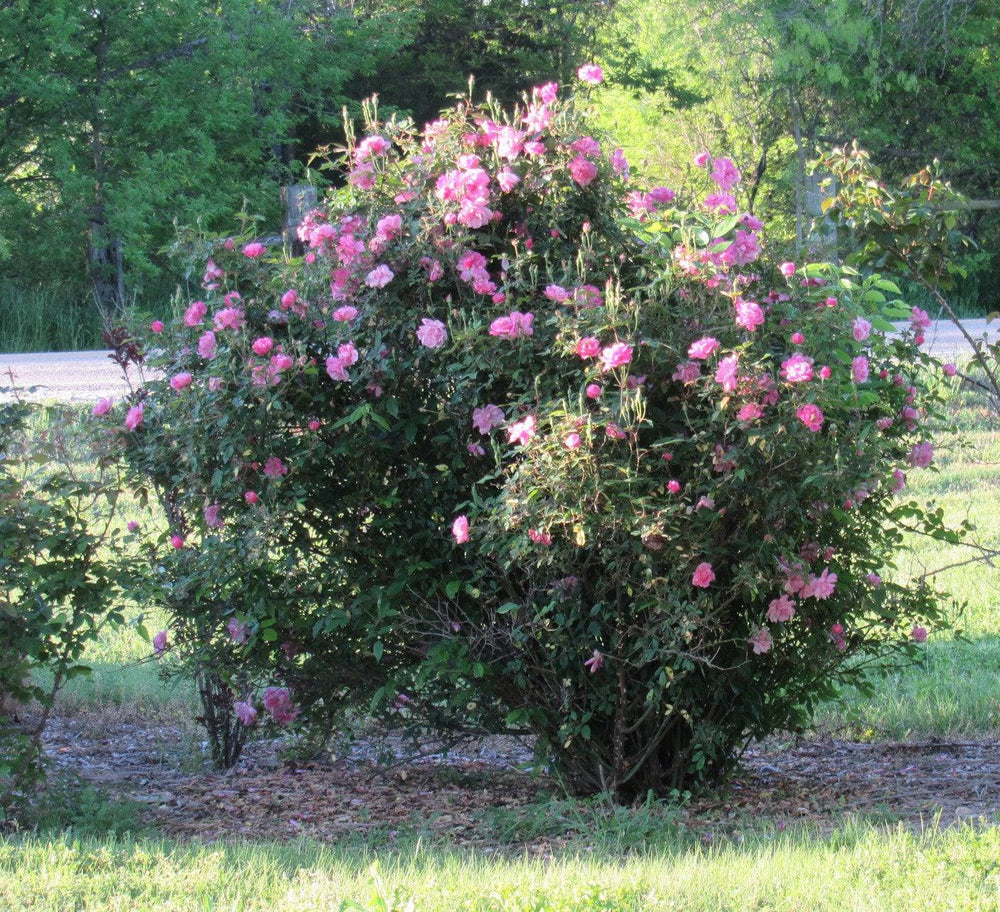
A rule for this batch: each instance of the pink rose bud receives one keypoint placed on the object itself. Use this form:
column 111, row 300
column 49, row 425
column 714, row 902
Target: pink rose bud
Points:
column 177, row 541
column 314, row 425
column 787, row 269
column 594, row 391
column 251, row 497
column 156, row 326
column 949, row 370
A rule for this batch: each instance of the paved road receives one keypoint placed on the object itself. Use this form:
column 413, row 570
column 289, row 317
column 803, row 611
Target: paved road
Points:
column 86, row 376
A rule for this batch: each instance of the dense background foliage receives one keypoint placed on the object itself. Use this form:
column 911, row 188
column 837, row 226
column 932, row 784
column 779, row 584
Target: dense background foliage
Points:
column 115, row 126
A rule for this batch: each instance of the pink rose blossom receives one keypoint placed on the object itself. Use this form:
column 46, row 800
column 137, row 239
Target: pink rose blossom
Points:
column 797, row 369
column 861, row 329
column 180, row 381
column 725, row 374
column 582, row 170
column 274, row 467
column 787, row 269
column 460, row 529
column 859, row 369
column 263, row 345
column 588, row 347
column 278, row 702
column 824, row 372
column 229, row 318
column 797, row 338
column 761, row 641
column 571, row 441
column 134, row 417
column 379, row 277
column 687, row 372
column 212, row 518
column 238, row 631
column 593, row 391
column 811, row 416
column 919, row 319
column 819, row 587
column 703, row 575
column 207, row 346
column 540, row 538
column 245, row 712
column 674, row 486
column 749, row 412
column 432, row 333
column 613, row 431
column 160, row 642
column 195, row 313
column 522, row 431
column 616, row 355
column 556, row 293
column 251, row 497
column 725, row 174
column 922, row 455
column 513, row 326
column 156, row 326
column 703, row 348
column 486, row 418
column 102, row 407
column 345, row 314
column 781, row 609
column 591, row 74
column 254, row 249
column 949, row 370
column 701, row 159
column 177, row 542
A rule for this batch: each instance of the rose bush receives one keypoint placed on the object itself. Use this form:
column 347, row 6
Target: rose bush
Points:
column 521, row 443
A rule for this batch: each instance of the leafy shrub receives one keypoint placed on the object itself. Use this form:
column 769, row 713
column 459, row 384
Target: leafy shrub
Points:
column 56, row 534
column 518, row 443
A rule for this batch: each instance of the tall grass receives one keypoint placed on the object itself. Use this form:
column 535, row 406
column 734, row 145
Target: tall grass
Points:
column 47, row 318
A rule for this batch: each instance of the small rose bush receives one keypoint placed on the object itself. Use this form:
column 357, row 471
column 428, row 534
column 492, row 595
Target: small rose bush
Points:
column 523, row 443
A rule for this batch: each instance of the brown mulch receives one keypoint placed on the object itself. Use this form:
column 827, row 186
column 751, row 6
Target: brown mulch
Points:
column 461, row 796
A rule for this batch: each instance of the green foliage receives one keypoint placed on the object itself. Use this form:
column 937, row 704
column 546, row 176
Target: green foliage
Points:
column 55, row 586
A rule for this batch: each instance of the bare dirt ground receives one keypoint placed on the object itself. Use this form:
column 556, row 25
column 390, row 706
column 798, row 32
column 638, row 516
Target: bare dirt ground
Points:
column 479, row 796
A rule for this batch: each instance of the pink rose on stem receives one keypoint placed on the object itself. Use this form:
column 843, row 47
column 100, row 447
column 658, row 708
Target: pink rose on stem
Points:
column 749, row 314
column 345, row 314
column 571, row 441
column 254, row 249
column 797, row 369
column 703, row 575
column 588, row 347
column 787, row 269
column 859, row 369
column 274, row 467
column 701, row 159
column 673, row 486
column 160, row 642
column 245, row 712
column 819, row 587
column 725, row 374
column 177, row 542
column 102, row 407
column 195, row 313
column 156, row 326
column 616, row 355
column 749, row 412
column 591, row 74
column 922, row 455
column 781, row 609
column 460, row 529
column 556, row 293
column 861, row 329
column 379, row 277
column 488, row 417
column 582, row 170
column 278, row 702
column 811, row 416
column 134, row 417
column 522, row 431
column 237, row 631
column 540, row 538
column 180, row 381
column 212, row 518
column 432, row 333
column 251, row 497
column 263, row 345
column 594, row 391
column 949, row 370
column 703, row 348
column 207, row 347
column 761, row 641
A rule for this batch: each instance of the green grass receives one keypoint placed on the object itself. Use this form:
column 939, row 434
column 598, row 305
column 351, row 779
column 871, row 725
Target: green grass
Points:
column 47, row 318
column 858, row 868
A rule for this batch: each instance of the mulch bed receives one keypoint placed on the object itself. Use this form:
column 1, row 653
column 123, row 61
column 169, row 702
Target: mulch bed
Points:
column 455, row 797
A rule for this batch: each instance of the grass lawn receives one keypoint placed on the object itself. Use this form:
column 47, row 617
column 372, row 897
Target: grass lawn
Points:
column 90, row 853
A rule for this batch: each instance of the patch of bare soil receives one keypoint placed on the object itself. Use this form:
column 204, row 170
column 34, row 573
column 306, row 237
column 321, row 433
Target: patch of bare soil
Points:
column 821, row 782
